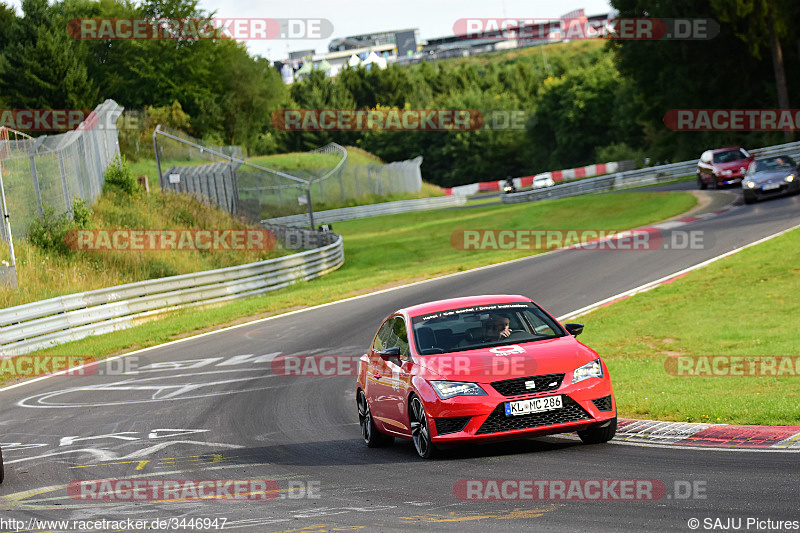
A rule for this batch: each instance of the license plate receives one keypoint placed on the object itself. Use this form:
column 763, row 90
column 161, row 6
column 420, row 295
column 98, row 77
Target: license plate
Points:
column 771, row 186
column 534, row 405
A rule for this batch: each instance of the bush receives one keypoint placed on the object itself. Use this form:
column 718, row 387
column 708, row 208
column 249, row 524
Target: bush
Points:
column 51, row 232
column 119, row 177
column 81, row 213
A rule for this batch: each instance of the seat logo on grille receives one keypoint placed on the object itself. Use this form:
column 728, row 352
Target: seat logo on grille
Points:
column 530, row 384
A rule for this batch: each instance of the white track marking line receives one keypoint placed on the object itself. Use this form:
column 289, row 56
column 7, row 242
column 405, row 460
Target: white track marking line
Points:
column 660, row 281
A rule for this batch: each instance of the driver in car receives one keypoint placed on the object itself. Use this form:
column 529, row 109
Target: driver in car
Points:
column 498, row 327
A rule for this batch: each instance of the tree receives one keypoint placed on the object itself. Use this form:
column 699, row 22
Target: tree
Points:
column 760, row 24
column 43, row 68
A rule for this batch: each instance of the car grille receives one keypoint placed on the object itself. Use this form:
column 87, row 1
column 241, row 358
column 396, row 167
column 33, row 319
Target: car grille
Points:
column 516, row 387
column 498, row 421
column 451, row 425
column 604, row 403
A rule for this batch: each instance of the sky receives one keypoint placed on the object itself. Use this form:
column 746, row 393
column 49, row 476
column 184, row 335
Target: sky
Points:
column 433, row 18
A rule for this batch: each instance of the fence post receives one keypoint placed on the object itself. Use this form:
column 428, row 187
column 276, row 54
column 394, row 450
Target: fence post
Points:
column 78, row 173
column 158, row 159
column 36, row 187
column 6, row 222
column 310, row 208
column 64, row 182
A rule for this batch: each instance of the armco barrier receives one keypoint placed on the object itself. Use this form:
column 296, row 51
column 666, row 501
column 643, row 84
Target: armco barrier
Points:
column 372, row 210
column 42, row 324
column 556, row 175
column 634, row 178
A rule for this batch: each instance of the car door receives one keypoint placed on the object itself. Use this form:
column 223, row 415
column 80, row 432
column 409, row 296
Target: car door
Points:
column 392, row 380
column 376, row 367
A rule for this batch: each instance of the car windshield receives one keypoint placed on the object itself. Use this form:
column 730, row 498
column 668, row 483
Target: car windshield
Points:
column 774, row 163
column 482, row 326
column 728, row 156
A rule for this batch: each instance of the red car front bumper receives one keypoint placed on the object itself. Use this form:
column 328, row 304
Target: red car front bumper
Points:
column 473, row 418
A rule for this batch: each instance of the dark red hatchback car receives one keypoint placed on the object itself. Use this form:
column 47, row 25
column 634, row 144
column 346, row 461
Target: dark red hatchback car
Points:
column 723, row 166
column 480, row 368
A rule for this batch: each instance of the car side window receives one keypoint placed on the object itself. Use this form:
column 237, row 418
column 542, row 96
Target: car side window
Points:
column 399, row 337
column 382, row 338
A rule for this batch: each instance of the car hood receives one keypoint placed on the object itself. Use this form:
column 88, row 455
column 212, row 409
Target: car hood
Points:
column 734, row 166
column 770, row 175
column 561, row 355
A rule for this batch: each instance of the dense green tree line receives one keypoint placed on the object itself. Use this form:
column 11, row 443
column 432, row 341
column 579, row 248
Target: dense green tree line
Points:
column 227, row 94
column 593, row 101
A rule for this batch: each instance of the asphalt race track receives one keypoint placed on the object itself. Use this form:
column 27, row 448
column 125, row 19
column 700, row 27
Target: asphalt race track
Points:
column 211, row 408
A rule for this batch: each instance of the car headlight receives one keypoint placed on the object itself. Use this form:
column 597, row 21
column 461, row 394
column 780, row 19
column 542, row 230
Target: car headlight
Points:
column 750, row 184
column 448, row 389
column 789, row 178
column 590, row 370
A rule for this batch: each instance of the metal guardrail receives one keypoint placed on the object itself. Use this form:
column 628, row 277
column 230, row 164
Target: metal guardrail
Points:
column 42, row 324
column 371, row 210
column 634, row 178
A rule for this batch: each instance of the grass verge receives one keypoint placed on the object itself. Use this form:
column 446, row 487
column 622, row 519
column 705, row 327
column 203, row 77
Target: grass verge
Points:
column 46, row 273
column 743, row 305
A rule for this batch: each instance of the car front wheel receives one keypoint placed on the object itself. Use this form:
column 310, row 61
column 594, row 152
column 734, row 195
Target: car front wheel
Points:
column 371, row 435
column 598, row 435
column 420, row 431
column 700, row 183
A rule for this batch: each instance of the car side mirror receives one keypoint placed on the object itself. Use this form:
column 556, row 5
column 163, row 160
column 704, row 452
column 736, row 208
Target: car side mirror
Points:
column 574, row 329
column 390, row 353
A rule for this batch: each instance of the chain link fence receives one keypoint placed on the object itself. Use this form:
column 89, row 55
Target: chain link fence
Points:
column 49, row 172
column 53, row 170
column 270, row 187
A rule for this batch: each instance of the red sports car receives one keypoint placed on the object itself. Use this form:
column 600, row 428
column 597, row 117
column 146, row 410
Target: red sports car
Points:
column 723, row 166
column 481, row 368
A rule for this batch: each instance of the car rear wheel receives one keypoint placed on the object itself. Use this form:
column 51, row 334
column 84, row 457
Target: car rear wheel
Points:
column 371, row 435
column 420, row 431
column 598, row 435
column 700, row 183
